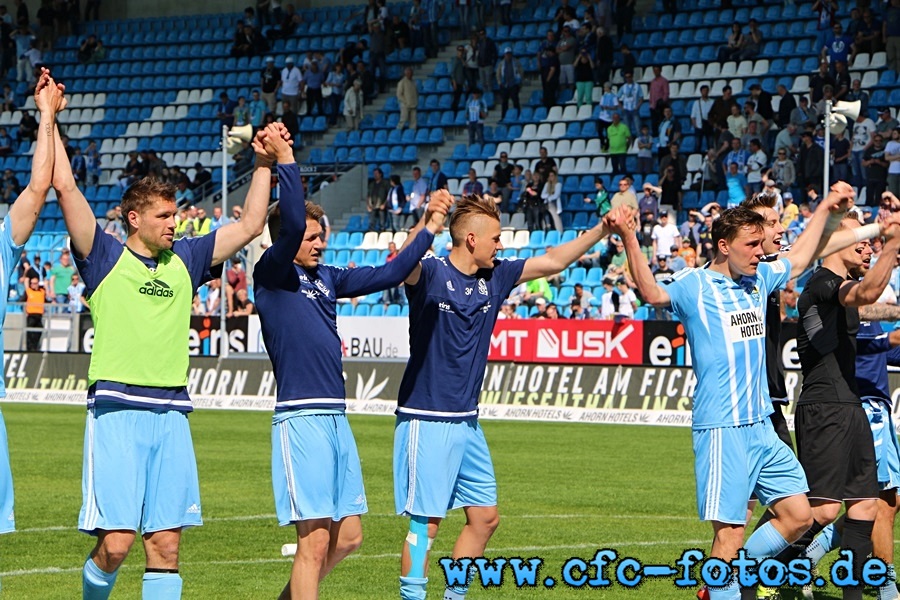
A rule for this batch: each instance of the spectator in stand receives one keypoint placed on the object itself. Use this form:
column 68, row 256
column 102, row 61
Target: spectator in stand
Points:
column 241, row 113
column 690, row 234
column 201, row 176
column 218, row 220
column 892, row 155
column 645, row 151
column 354, row 105
column 258, row 108
column 269, row 82
column 669, row 130
column 867, row 37
column 876, row 168
column 437, row 180
column 785, row 106
column 248, row 42
column 584, row 78
column 532, row 204
column 711, row 176
column 625, row 195
column 476, row 111
column 408, row 98
column 486, row 60
column 551, row 194
column 9, row 99
column 225, row 112
column 738, row 156
column 603, row 55
column 516, row 185
column 861, row 138
column 826, row 13
column 837, row 46
column 502, row 175
column 674, row 159
column 736, row 182
column 566, row 52
column 545, row 164
column 631, row 97
column 609, row 104
column 398, row 33
column 549, row 65
column 601, row 198
column 783, row 171
column 313, row 79
column 857, row 93
column 788, row 139
column 703, row 128
column 472, row 187
column 721, row 109
column 734, row 44
column 886, row 123
column 376, row 200
column 841, row 81
column 804, row 115
column 90, row 51
column 619, row 136
column 624, row 16
column 291, row 84
column 890, row 33
column 291, row 122
column 752, row 42
column 752, row 134
column 818, row 82
column 756, row 163
column 671, row 188
column 737, row 122
column 6, row 142
column 812, row 161
column 648, row 204
column 840, row 156
column 460, row 82
column 11, row 186
column 335, row 87
column 509, row 80
column 378, row 54
column 183, row 194
column 395, row 204
column 659, row 96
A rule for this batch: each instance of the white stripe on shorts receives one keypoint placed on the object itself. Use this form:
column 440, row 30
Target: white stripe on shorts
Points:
column 90, row 503
column 288, row 468
column 412, row 443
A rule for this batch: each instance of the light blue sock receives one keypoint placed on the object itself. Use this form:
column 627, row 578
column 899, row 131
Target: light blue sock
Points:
column 161, row 586
column 765, row 542
column 458, row 592
column 889, row 590
column 825, row 542
column 732, row 591
column 412, row 588
column 96, row 584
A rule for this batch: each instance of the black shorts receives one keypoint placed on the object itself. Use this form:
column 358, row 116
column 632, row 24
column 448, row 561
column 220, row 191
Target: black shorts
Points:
column 836, row 449
column 780, row 424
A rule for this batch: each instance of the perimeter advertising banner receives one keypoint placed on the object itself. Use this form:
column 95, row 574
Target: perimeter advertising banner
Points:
column 538, row 392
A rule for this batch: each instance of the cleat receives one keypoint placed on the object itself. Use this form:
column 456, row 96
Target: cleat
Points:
column 703, row 593
column 767, row 593
column 807, row 590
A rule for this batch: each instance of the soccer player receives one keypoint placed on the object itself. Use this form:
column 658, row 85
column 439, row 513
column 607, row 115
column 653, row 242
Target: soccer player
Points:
column 441, row 459
column 14, row 232
column 316, row 473
column 875, row 351
column 737, row 451
column 139, row 471
column 834, row 440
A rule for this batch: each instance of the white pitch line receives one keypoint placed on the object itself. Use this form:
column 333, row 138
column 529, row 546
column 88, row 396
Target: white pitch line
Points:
column 389, row 515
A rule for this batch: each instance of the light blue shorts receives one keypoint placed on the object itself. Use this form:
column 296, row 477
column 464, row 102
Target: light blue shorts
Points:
column 887, row 450
column 441, row 465
column 315, row 469
column 7, row 515
column 733, row 463
column 139, row 470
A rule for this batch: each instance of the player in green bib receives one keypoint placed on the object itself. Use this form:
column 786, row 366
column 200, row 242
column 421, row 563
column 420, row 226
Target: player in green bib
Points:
column 139, row 471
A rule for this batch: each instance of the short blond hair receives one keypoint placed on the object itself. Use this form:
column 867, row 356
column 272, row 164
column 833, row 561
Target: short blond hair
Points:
column 314, row 212
column 470, row 207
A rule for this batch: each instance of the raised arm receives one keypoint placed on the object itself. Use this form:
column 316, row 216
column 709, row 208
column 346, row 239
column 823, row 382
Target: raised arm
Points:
column 436, row 211
column 559, row 257
column 76, row 211
column 869, row 288
column 622, row 222
column 234, row 236
column 814, row 239
column 292, row 203
column 23, row 214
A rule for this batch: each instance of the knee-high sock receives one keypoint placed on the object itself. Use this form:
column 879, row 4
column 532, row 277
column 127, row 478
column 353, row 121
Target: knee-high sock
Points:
column 161, row 586
column 825, row 542
column 794, row 549
column 96, row 584
column 858, row 539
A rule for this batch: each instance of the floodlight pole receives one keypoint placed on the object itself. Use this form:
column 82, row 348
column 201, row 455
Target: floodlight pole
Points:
column 223, row 306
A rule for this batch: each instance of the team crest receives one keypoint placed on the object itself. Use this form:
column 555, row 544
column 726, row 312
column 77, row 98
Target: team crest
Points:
column 482, row 287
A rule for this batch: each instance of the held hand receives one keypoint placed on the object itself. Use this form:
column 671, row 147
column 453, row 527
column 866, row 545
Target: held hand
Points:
column 621, row 221
column 263, row 158
column 890, row 228
column 278, row 143
column 437, row 210
column 840, row 197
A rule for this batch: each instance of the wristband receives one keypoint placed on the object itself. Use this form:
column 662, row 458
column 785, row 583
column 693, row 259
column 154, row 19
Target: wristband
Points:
column 867, row 232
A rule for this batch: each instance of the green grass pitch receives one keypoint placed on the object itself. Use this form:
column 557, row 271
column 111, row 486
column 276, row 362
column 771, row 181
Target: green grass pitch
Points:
column 565, row 490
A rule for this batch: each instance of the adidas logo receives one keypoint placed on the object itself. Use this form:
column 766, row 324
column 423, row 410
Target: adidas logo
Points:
column 193, row 510
column 156, row 288
column 11, row 517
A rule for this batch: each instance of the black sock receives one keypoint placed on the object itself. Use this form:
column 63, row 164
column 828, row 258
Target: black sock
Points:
column 857, row 537
column 154, row 570
column 794, row 550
